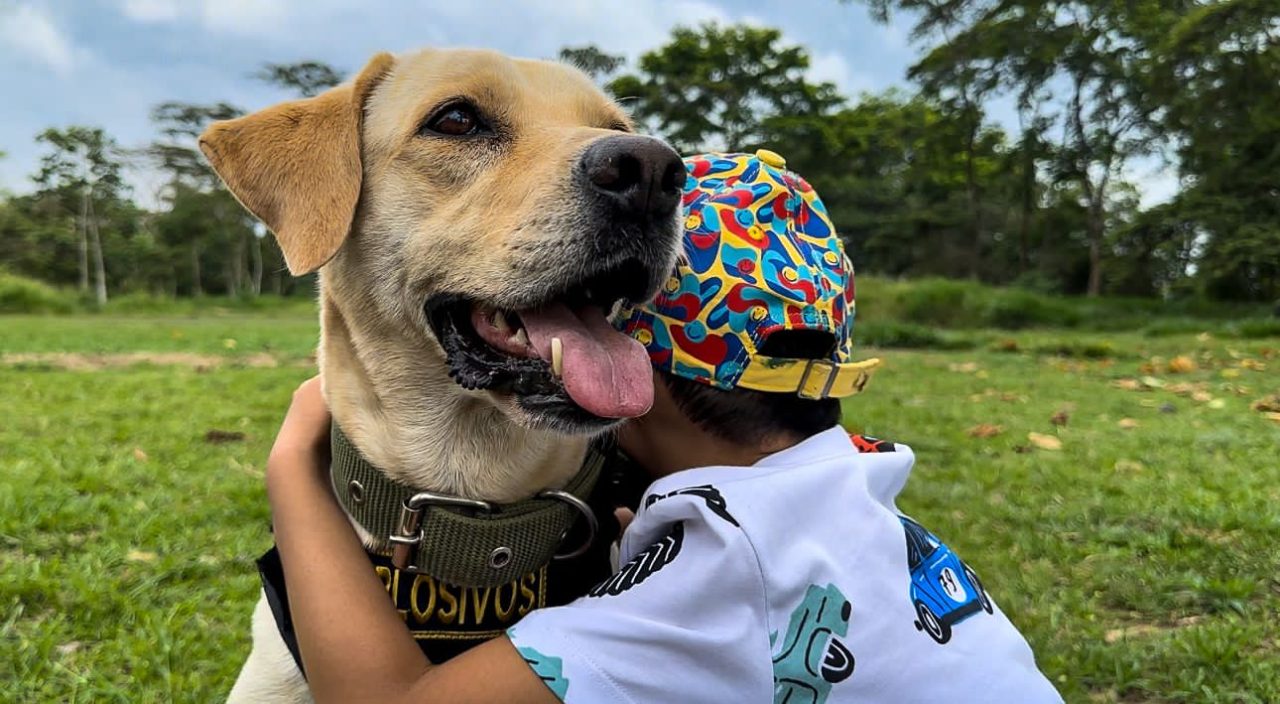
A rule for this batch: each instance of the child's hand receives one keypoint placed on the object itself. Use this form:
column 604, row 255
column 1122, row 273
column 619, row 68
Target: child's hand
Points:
column 304, row 434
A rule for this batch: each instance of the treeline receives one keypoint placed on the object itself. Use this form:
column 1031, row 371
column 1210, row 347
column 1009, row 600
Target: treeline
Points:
column 920, row 184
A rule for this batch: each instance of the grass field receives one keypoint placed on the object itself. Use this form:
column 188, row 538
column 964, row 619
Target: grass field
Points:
column 1139, row 556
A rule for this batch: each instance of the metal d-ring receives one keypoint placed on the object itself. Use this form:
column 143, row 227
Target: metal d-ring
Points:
column 593, row 526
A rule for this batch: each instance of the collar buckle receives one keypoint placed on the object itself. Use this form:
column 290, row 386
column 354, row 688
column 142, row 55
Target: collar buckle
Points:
column 407, row 536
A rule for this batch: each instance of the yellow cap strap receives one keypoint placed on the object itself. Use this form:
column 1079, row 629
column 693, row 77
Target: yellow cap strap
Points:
column 807, row 378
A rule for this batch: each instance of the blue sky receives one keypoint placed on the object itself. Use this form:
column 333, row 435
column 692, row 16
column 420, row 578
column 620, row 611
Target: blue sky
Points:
column 107, row 62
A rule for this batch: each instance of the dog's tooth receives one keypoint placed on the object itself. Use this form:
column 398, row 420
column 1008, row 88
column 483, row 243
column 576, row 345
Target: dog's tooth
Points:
column 557, row 357
column 521, row 337
column 499, row 322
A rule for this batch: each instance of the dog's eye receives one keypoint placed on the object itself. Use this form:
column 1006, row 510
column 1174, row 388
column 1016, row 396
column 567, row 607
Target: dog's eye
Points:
column 454, row 120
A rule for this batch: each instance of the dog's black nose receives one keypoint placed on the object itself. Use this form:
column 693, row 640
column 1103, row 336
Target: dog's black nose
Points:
column 642, row 176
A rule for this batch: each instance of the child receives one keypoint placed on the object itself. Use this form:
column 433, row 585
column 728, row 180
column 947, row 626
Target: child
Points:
column 767, row 560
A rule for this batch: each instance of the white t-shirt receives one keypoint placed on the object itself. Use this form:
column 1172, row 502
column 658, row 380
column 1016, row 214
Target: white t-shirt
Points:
column 794, row 580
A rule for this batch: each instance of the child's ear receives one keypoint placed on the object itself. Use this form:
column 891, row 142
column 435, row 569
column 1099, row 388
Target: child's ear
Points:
column 297, row 166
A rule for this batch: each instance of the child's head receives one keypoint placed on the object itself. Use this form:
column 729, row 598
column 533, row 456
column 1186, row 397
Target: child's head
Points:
column 752, row 333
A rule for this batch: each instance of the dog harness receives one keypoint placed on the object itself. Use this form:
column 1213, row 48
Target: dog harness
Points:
column 460, row 571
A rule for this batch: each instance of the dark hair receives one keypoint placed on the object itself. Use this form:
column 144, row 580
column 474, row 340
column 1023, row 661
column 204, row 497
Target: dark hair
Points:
column 745, row 416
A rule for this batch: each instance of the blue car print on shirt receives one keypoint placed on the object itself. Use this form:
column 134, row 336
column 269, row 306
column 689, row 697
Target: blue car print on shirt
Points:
column 944, row 590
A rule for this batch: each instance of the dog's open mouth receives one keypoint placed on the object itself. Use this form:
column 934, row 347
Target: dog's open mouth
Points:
column 559, row 355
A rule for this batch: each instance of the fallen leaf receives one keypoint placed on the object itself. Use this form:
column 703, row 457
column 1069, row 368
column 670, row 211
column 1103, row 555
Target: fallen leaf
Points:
column 1204, row 337
column 1060, row 418
column 985, row 430
column 1253, row 364
column 217, row 437
column 1230, row 373
column 139, row 455
column 1129, row 466
column 1007, row 345
column 1217, row 404
column 69, row 647
column 1266, row 404
column 140, row 556
column 1152, row 382
column 1201, row 396
column 229, row 343
column 964, row 368
column 1045, row 442
column 1127, row 384
column 1272, row 416
column 1128, row 423
column 1182, row 364
column 1116, row 634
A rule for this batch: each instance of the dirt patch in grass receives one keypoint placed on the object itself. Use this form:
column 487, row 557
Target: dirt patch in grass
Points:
column 81, row 362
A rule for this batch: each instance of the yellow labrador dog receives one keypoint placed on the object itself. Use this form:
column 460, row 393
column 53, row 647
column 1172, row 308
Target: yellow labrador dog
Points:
column 474, row 218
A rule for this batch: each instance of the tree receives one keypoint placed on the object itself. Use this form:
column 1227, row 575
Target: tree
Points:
column 1101, row 51
column 306, row 78
column 715, row 87
column 592, row 61
column 1217, row 80
column 180, row 124
column 82, row 172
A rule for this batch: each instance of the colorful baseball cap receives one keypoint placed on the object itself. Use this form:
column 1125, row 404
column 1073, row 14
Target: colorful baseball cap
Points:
column 760, row 256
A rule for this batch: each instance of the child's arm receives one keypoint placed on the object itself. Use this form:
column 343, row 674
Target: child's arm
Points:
column 353, row 644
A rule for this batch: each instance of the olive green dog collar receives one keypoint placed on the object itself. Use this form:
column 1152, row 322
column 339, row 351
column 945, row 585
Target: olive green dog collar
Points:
column 462, row 541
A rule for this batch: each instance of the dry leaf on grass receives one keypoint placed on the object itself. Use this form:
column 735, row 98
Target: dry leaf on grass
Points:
column 1127, row 384
column 140, row 556
column 217, row 437
column 1217, row 404
column 1273, row 415
column 229, row 343
column 1267, row 404
column 139, row 455
column 69, row 647
column 1201, row 396
column 1129, row 466
column 1253, row 365
column 985, row 430
column 964, row 368
column 1128, row 423
column 1045, row 442
column 1062, row 417
column 1182, row 364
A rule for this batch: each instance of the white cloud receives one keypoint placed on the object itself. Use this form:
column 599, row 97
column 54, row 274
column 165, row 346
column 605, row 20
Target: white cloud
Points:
column 31, row 34
column 151, row 11
column 247, row 17
column 831, row 66
column 244, row 16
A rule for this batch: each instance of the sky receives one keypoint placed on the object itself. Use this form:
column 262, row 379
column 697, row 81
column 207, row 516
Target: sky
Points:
column 107, row 62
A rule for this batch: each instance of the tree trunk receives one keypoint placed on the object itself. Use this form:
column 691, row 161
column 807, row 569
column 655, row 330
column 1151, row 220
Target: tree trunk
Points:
column 1028, row 203
column 971, row 186
column 1096, row 226
column 255, row 274
column 99, row 266
column 84, row 241
column 196, row 289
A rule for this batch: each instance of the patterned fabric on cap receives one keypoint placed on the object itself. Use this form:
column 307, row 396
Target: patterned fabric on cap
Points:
column 760, row 255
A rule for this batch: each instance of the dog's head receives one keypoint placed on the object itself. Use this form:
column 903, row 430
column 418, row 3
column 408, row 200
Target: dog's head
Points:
column 501, row 207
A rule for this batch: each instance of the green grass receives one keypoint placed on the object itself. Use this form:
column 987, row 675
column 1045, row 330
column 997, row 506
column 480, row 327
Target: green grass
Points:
column 1141, row 564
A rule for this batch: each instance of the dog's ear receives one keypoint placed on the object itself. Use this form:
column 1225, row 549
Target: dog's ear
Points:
column 296, row 166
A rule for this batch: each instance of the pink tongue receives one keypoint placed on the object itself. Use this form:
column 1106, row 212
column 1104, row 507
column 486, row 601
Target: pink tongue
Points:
column 605, row 371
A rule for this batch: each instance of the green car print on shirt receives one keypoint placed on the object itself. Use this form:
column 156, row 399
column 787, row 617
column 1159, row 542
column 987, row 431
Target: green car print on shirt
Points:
column 548, row 669
column 811, row 658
